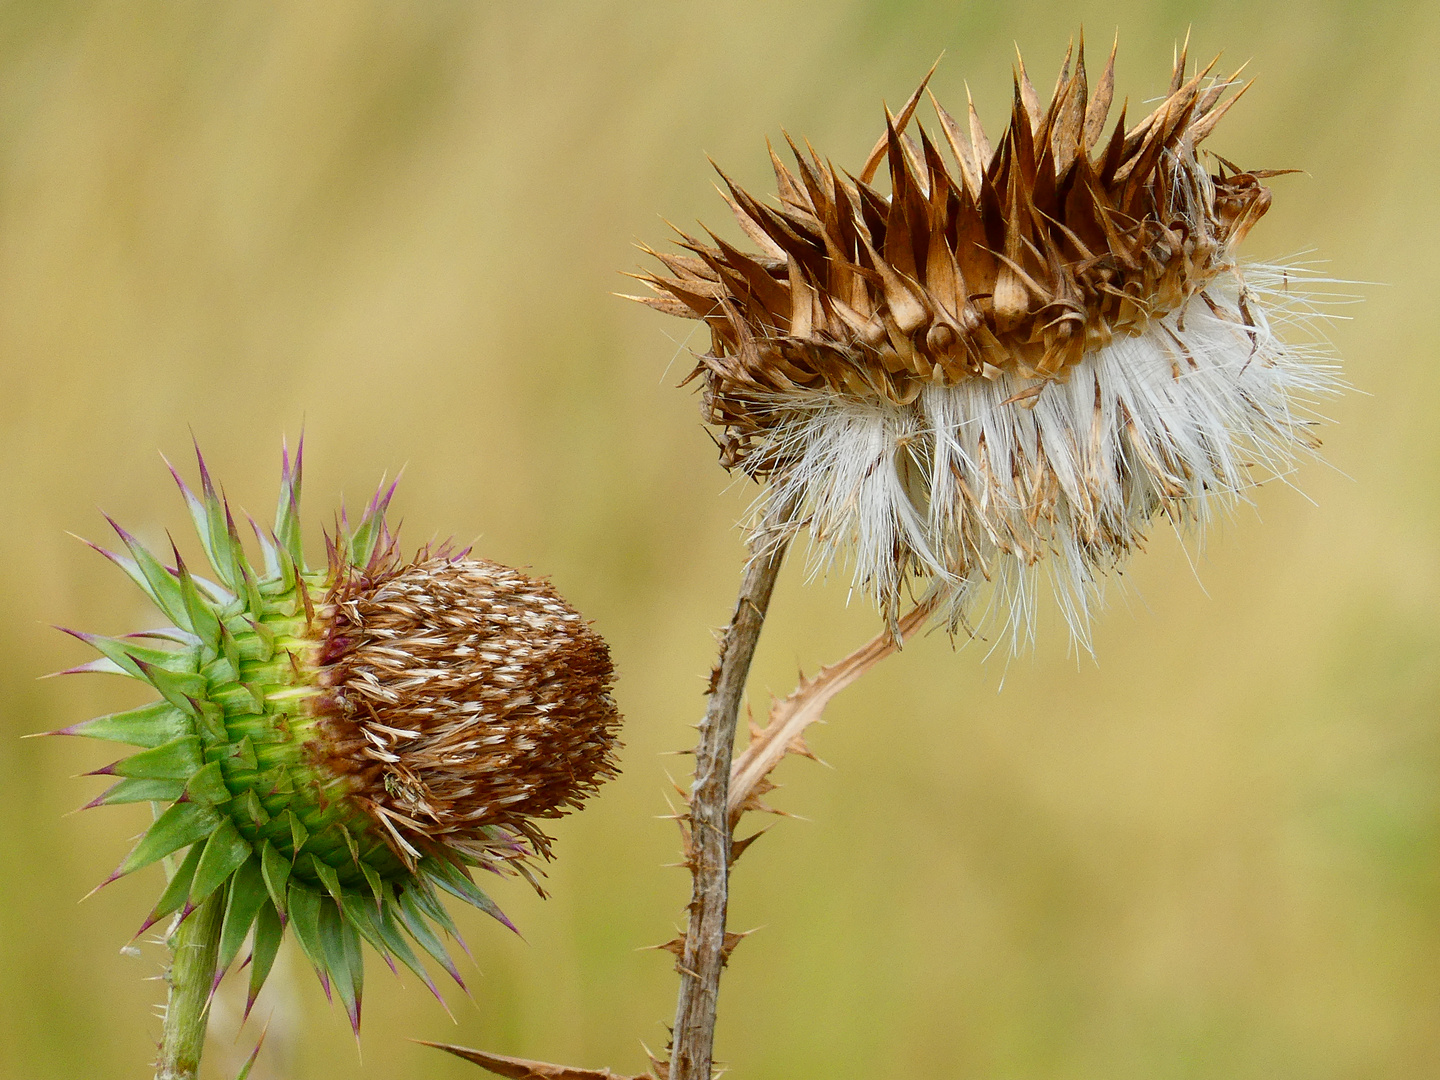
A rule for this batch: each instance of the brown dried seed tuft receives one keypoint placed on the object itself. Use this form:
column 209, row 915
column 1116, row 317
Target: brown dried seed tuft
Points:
column 463, row 699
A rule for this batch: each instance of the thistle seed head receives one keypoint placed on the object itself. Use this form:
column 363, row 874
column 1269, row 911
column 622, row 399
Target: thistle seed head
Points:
column 462, row 699
column 340, row 746
column 1019, row 353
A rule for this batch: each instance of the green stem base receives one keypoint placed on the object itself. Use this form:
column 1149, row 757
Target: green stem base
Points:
column 195, row 948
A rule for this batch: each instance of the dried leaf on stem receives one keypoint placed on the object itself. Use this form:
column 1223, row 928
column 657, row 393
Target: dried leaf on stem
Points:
column 523, row 1069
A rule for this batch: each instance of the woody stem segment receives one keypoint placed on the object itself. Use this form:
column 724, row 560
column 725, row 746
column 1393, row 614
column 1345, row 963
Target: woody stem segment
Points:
column 693, row 1038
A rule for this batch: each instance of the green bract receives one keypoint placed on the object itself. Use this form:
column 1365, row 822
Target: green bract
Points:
column 231, row 746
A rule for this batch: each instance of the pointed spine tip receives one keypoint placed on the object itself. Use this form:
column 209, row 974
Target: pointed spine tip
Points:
column 106, row 552
column 120, row 530
column 88, row 668
column 115, row 875
column 179, row 480
column 459, row 940
column 207, row 486
column 150, row 920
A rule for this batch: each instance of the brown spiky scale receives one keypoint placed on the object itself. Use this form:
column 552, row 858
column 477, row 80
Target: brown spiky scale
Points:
column 1014, row 260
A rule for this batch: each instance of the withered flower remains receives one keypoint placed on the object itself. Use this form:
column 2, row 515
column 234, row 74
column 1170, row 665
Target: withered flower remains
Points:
column 341, row 746
column 1021, row 352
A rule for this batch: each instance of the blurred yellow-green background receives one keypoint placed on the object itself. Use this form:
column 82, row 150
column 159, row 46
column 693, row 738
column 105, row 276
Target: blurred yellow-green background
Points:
column 1213, row 850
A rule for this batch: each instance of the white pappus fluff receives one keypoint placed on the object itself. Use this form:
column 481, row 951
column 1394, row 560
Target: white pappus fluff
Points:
column 964, row 488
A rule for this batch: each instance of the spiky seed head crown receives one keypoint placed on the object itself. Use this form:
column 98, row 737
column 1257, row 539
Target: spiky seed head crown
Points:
column 1019, row 351
column 341, row 746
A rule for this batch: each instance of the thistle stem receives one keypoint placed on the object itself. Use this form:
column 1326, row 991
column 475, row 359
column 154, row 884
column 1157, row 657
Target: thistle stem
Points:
column 195, row 948
column 693, row 1039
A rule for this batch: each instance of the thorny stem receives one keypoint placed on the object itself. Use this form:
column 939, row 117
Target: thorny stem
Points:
column 195, row 948
column 693, row 1038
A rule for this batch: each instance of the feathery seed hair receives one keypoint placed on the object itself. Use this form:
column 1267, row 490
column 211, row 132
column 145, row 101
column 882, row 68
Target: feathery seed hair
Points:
column 1020, row 352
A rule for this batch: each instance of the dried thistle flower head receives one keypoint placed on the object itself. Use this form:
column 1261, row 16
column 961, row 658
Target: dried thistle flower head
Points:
column 462, row 699
column 341, row 746
column 1022, row 353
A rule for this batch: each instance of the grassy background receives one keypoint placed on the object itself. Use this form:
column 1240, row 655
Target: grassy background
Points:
column 1213, row 850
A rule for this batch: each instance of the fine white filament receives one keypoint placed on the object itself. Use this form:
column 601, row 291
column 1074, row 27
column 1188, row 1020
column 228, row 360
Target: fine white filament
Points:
column 965, row 487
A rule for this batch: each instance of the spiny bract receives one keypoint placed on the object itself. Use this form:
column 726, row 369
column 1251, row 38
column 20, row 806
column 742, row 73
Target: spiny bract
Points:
column 338, row 747
column 1018, row 353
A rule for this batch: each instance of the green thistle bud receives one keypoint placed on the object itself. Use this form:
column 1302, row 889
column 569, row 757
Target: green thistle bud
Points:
column 340, row 747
